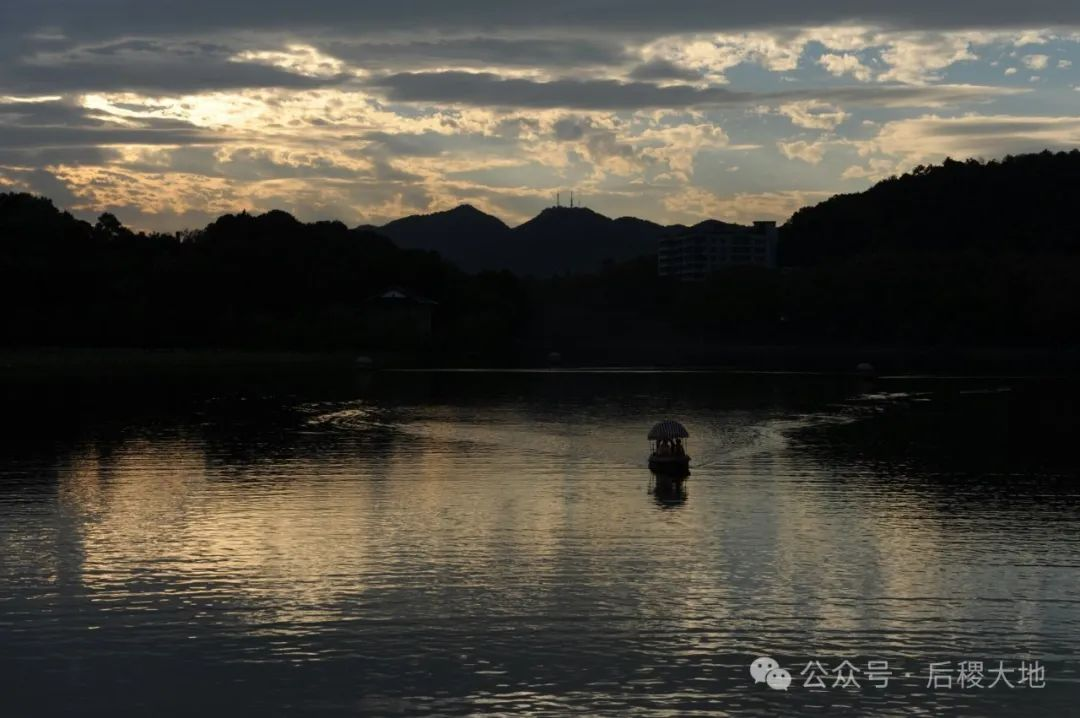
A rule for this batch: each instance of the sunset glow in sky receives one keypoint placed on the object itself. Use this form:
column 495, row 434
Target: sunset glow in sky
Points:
column 169, row 114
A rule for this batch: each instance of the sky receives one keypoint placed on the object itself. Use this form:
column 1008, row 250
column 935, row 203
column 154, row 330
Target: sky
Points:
column 170, row 113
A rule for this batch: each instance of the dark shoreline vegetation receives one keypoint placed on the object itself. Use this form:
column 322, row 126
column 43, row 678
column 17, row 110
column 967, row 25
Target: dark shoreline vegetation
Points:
column 966, row 264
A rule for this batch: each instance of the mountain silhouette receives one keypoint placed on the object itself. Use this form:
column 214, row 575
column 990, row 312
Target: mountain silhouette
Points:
column 469, row 238
column 709, row 226
column 565, row 240
column 559, row 240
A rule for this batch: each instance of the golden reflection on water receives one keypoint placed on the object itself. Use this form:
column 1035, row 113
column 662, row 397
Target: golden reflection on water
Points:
column 460, row 502
column 500, row 537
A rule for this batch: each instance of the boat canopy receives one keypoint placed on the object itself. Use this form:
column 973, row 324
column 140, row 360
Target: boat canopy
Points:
column 668, row 430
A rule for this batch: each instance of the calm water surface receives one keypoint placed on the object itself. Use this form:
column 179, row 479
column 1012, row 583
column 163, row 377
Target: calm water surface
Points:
column 464, row 543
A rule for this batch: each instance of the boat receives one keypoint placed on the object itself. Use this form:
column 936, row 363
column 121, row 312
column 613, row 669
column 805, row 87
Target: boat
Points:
column 669, row 457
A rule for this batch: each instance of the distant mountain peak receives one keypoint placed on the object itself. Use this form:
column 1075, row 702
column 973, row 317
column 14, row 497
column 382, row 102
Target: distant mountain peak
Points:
column 570, row 211
column 711, row 225
column 462, row 211
column 464, row 234
column 558, row 240
column 566, row 217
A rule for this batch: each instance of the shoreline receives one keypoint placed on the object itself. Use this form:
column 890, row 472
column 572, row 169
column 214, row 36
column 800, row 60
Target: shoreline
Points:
column 740, row 358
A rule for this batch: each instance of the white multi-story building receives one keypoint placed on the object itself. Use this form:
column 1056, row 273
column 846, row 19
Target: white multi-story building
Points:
column 695, row 253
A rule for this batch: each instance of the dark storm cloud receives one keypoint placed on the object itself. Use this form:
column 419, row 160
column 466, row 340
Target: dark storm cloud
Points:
column 489, row 90
column 486, row 89
column 600, row 143
column 57, row 46
column 65, row 113
column 998, row 128
column 49, row 156
column 96, row 136
column 664, row 70
column 523, row 52
column 59, row 112
column 117, row 18
column 163, row 73
column 44, row 183
column 61, row 124
column 570, row 129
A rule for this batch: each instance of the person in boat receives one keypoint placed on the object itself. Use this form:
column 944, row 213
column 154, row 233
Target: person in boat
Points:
column 679, row 451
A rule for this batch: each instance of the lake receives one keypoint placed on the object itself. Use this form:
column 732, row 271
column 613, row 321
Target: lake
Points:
column 415, row 543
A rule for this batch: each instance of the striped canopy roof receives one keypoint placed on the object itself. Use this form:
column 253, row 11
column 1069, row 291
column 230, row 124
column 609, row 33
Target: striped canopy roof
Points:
column 668, row 430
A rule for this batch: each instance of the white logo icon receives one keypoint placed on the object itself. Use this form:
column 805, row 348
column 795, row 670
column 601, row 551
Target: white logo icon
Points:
column 766, row 670
column 778, row 679
column 760, row 668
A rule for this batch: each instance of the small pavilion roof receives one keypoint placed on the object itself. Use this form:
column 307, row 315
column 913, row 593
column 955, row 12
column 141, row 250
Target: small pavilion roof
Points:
column 668, row 430
column 400, row 294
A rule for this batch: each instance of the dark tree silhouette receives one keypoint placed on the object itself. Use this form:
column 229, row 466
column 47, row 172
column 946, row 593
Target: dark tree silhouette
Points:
column 1022, row 204
column 265, row 281
column 961, row 254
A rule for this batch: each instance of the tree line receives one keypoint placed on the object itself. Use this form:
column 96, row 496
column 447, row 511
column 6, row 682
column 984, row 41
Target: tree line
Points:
column 244, row 281
column 959, row 254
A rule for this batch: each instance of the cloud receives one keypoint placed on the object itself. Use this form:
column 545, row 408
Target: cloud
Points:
column 52, row 156
column 897, row 96
column 54, row 137
column 711, row 56
column 64, row 124
column 676, row 146
column 931, row 138
column 408, row 144
column 809, row 152
column 571, row 129
column 1035, row 62
column 622, row 149
column 45, row 183
column 145, row 199
column 386, row 171
column 155, row 67
column 919, row 58
column 487, row 90
column 875, row 169
column 365, row 110
column 911, row 56
column 491, row 90
column 744, row 207
column 128, row 18
column 845, row 64
column 295, row 59
column 480, row 51
column 813, row 114
column 659, row 69
column 1031, row 37
column 605, row 149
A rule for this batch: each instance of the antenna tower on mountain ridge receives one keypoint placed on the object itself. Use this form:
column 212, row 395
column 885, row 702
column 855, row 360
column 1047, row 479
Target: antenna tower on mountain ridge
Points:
column 574, row 201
